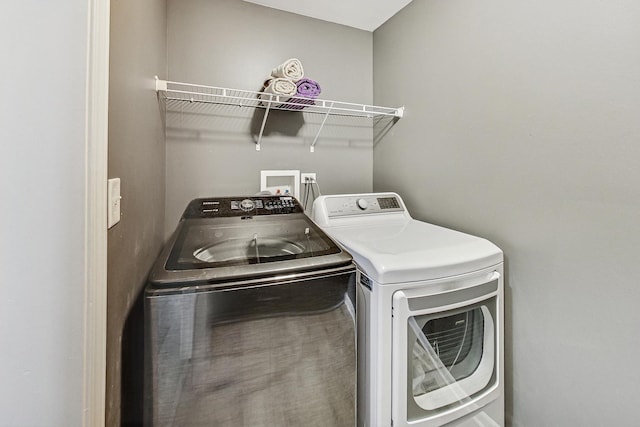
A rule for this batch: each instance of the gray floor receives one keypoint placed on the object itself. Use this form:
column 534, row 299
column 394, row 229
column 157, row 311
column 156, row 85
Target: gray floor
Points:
column 296, row 371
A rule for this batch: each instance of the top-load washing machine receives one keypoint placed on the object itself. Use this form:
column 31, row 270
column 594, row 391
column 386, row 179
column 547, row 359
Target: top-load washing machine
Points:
column 250, row 320
column 430, row 315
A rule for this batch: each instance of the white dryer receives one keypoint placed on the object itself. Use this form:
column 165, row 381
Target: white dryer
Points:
column 430, row 315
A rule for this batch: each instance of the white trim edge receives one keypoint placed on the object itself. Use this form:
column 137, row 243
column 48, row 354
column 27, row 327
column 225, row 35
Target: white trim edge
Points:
column 96, row 155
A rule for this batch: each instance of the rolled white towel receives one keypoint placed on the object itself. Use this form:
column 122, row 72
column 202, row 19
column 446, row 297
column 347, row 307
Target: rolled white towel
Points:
column 283, row 88
column 289, row 69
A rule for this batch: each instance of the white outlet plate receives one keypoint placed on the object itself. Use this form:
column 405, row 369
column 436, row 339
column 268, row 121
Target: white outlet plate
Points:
column 113, row 201
column 307, row 177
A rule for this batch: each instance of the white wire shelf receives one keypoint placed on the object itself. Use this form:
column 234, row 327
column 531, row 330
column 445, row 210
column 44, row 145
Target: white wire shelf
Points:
column 193, row 93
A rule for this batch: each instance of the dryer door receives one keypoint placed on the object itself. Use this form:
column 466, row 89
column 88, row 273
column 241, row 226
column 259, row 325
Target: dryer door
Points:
column 446, row 351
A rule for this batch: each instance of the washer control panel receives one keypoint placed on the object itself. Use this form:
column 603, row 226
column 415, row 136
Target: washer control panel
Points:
column 362, row 205
column 242, row 206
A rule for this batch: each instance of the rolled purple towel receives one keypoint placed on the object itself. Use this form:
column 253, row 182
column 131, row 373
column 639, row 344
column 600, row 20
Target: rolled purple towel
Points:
column 308, row 88
column 307, row 91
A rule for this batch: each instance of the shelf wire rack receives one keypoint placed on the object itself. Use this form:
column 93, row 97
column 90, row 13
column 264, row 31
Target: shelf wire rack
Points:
column 193, row 93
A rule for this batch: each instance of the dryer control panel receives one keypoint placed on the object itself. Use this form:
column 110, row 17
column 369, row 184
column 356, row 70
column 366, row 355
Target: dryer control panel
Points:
column 362, row 204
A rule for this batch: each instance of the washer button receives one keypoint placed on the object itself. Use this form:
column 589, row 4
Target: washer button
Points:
column 247, row 205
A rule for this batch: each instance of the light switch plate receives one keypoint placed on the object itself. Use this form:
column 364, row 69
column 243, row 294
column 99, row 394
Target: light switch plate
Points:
column 113, row 208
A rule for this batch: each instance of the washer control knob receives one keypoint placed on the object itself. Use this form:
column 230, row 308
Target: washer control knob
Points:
column 362, row 204
column 247, row 205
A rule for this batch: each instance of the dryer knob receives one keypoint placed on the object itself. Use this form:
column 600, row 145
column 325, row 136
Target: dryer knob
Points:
column 362, row 204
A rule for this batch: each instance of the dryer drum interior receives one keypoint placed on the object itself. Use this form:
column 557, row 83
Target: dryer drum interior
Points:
column 456, row 340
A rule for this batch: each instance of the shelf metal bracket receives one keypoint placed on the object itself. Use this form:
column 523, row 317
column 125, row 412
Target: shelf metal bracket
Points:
column 161, row 85
column 264, row 122
column 313, row 144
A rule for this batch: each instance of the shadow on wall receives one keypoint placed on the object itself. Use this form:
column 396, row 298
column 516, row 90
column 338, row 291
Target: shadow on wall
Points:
column 287, row 123
column 132, row 381
column 381, row 126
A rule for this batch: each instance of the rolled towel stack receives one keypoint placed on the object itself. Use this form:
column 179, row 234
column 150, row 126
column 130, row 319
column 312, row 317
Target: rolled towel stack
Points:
column 283, row 88
column 287, row 81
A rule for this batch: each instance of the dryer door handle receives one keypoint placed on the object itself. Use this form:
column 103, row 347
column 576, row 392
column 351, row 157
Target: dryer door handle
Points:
column 468, row 293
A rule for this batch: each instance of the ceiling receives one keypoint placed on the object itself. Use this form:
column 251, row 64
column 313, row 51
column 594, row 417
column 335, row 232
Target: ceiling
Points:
column 362, row 14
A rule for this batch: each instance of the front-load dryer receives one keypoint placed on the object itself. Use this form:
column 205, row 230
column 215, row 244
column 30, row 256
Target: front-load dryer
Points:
column 430, row 315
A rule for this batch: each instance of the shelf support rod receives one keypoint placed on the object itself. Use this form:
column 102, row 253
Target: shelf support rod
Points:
column 313, row 144
column 264, row 122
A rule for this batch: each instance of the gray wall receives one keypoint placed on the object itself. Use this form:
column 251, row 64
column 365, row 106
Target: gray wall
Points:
column 137, row 157
column 235, row 44
column 43, row 176
column 522, row 126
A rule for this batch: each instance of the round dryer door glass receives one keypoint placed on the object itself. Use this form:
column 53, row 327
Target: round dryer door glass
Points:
column 451, row 357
